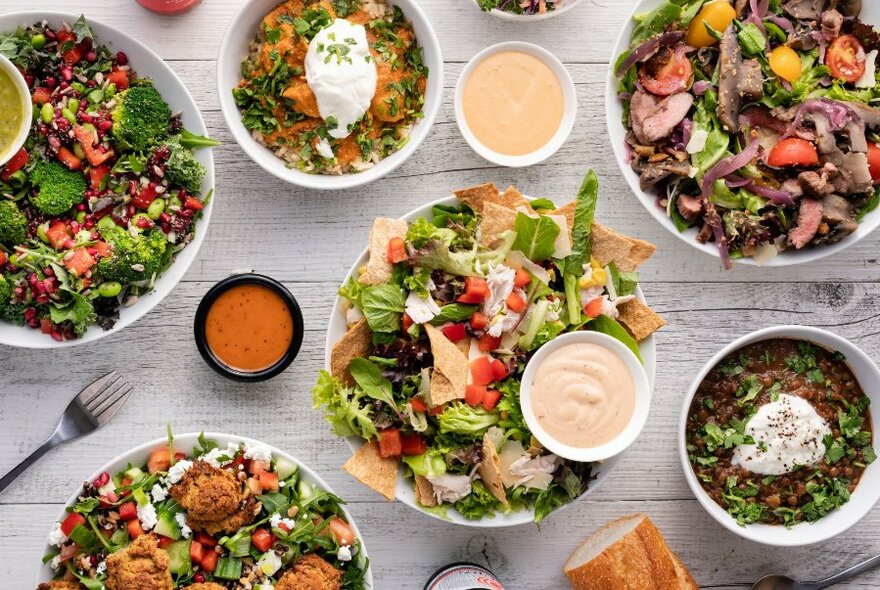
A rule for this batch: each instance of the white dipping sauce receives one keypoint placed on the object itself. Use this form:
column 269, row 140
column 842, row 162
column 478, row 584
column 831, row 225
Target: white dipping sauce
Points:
column 791, row 432
column 342, row 74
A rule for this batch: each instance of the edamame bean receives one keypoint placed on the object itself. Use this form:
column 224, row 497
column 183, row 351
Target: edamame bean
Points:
column 73, row 105
column 106, row 223
column 96, row 96
column 68, row 115
column 78, row 87
column 109, row 289
column 154, row 211
column 47, row 112
column 78, row 150
column 38, row 41
column 111, row 89
column 80, row 216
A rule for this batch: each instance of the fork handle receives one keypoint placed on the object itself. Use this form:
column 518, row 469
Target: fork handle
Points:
column 30, row 460
column 847, row 573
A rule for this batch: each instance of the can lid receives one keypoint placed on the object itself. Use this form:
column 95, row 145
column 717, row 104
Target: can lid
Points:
column 168, row 7
column 450, row 569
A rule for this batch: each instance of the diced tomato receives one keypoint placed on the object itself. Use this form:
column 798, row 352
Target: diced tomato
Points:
column 88, row 140
column 97, row 175
column 454, row 332
column 396, row 250
column 479, row 321
column 487, row 343
column 413, row 445
column 165, row 542
column 475, row 290
column 67, row 157
column 474, row 394
column 16, row 163
column 268, row 481
column 4, row 258
column 103, row 249
column 46, row 325
column 146, row 196
column 874, row 161
column 407, row 322
column 470, row 298
column 209, row 561
column 255, row 466
column 196, row 552
column 193, row 203
column 262, row 539
column 119, row 78
column 390, row 442
column 79, row 261
column 436, row 410
column 160, row 459
column 418, row 404
column 793, row 151
column 63, row 35
column 481, row 370
column 284, row 527
column 846, row 58
column 666, row 73
column 73, row 519
column 499, row 370
column 41, row 95
column 128, row 511
column 341, row 531
column 72, row 56
column 135, row 529
column 515, row 303
column 57, row 234
column 593, row 308
column 522, row 278
column 491, row 399
column 205, row 539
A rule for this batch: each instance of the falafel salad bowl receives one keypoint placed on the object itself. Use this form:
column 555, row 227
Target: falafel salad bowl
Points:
column 751, row 128
column 99, row 210
column 205, row 512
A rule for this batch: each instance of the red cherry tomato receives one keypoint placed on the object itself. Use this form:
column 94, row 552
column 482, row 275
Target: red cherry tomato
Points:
column 874, row 161
column 846, row 58
column 668, row 72
column 793, row 151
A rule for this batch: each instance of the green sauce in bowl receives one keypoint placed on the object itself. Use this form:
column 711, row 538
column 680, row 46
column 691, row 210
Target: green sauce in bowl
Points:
column 12, row 107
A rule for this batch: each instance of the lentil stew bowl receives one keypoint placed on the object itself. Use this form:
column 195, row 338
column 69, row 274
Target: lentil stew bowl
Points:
column 776, row 433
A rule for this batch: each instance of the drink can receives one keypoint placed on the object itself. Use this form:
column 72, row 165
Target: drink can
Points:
column 463, row 576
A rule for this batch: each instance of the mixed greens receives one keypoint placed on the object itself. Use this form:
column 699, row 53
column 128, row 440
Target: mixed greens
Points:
column 528, row 7
column 104, row 193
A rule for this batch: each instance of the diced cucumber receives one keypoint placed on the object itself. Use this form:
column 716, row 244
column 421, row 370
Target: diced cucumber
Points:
column 284, row 468
column 108, row 487
column 167, row 525
column 135, row 473
column 228, row 568
column 305, row 490
column 239, row 544
column 178, row 557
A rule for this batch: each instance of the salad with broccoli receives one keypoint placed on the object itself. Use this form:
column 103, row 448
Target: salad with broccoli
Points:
column 104, row 193
column 442, row 320
column 527, row 7
column 755, row 122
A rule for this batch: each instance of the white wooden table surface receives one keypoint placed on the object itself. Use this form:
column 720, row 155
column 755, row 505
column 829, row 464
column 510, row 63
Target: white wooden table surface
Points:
column 308, row 240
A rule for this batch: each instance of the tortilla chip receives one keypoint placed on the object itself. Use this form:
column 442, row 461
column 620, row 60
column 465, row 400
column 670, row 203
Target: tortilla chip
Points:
column 424, row 492
column 627, row 253
column 490, row 470
column 496, row 220
column 512, row 199
column 641, row 252
column 464, row 345
column 639, row 320
column 378, row 269
column 356, row 343
column 449, row 378
column 373, row 470
column 477, row 196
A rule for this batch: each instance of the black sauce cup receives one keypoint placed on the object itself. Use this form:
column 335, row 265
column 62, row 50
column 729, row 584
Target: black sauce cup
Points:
column 202, row 315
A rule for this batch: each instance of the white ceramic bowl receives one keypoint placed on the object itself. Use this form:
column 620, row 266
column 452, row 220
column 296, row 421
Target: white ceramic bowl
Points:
column 617, row 135
column 524, row 18
column 28, row 114
column 642, row 398
column 866, row 494
column 569, row 113
column 234, row 49
column 139, row 455
column 337, row 329
column 148, row 65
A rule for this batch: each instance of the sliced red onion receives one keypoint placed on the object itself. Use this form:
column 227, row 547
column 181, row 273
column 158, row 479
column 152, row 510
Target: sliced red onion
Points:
column 714, row 220
column 649, row 48
column 837, row 112
column 759, row 7
column 701, row 87
column 624, row 96
column 781, row 22
column 780, row 197
column 819, row 38
column 728, row 166
column 736, row 181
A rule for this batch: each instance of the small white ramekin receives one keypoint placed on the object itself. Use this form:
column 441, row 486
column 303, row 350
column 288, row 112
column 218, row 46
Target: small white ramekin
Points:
column 636, row 421
column 26, row 120
column 569, row 107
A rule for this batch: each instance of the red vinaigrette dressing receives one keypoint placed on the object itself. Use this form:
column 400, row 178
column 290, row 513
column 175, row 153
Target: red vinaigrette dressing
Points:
column 168, row 6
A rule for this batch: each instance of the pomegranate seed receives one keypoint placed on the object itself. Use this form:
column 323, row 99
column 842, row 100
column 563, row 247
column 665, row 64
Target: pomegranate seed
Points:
column 199, row 578
column 86, row 118
column 30, row 313
column 39, row 288
column 64, row 86
column 67, row 73
column 165, row 218
column 51, row 285
column 51, row 82
column 101, row 480
column 92, row 251
column 74, row 227
column 91, row 83
column 144, row 223
column 29, row 80
column 89, row 223
column 54, row 142
column 48, row 271
column 105, row 125
column 121, row 58
column 91, row 56
column 131, row 210
column 81, row 207
column 50, row 34
column 69, row 243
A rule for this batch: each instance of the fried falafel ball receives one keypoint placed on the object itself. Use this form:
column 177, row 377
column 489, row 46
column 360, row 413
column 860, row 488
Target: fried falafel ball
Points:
column 310, row 572
column 140, row 566
column 214, row 500
column 60, row 585
column 205, row 586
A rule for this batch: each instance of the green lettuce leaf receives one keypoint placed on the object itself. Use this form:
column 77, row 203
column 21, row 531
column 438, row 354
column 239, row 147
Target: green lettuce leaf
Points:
column 436, row 254
column 343, row 408
column 535, row 236
column 78, row 311
column 369, row 378
column 612, row 327
column 454, row 312
column 460, row 418
column 383, row 306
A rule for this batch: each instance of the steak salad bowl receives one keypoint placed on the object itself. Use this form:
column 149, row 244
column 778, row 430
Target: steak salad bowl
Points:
column 754, row 139
column 106, row 205
column 426, row 393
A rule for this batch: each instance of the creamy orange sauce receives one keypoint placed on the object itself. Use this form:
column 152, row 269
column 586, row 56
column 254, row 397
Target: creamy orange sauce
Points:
column 583, row 395
column 249, row 328
column 513, row 103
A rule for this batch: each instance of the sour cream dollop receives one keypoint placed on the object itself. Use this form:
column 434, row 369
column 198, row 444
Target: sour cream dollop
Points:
column 342, row 74
column 787, row 433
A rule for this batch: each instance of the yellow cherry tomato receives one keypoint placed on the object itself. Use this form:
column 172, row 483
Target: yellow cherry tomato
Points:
column 718, row 14
column 786, row 63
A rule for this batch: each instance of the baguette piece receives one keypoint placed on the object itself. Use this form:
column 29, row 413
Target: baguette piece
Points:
column 628, row 553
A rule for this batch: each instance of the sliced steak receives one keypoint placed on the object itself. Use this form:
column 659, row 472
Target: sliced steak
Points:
column 653, row 119
column 825, row 138
column 736, row 79
column 793, row 187
column 802, row 39
column 848, row 7
column 816, row 183
column 808, row 220
column 751, row 80
column 804, row 9
column 689, row 207
column 741, row 7
column 831, row 23
column 835, row 209
column 652, row 173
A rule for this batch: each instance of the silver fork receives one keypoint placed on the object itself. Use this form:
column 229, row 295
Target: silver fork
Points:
column 91, row 409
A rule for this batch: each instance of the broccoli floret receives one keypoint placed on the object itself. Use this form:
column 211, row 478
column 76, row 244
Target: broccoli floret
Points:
column 182, row 166
column 59, row 188
column 134, row 259
column 141, row 118
column 9, row 311
column 13, row 224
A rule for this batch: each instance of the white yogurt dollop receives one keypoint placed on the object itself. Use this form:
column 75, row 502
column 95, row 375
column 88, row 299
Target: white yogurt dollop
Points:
column 787, row 433
column 342, row 74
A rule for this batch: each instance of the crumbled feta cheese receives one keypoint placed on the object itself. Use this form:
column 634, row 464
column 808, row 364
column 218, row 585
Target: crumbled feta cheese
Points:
column 176, row 471
column 258, row 452
column 269, row 563
column 147, row 516
column 180, row 517
column 276, row 520
column 158, row 493
column 869, row 78
column 56, row 562
column 697, row 142
column 56, row 537
column 421, row 309
column 101, row 568
column 344, row 553
column 324, row 148
column 217, row 457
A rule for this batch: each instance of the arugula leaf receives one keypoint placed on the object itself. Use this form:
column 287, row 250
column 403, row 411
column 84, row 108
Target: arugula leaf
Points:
column 86, row 506
column 541, row 205
column 535, row 236
column 751, row 39
column 82, row 30
column 653, row 22
column 612, row 327
column 370, row 379
column 383, row 306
